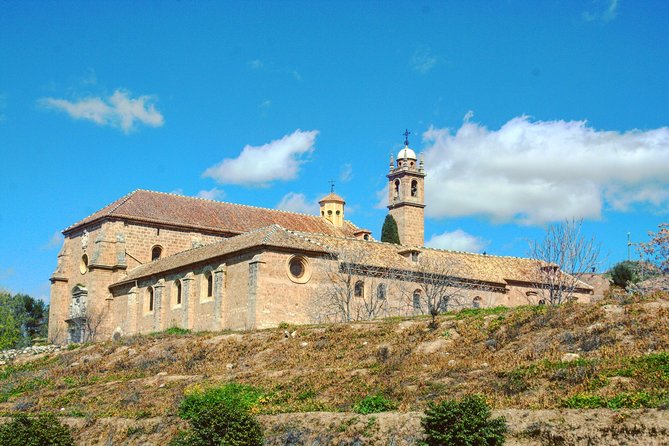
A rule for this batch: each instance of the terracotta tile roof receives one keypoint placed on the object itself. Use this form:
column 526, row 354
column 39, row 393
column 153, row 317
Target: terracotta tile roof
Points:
column 209, row 215
column 478, row 267
column 332, row 197
column 273, row 236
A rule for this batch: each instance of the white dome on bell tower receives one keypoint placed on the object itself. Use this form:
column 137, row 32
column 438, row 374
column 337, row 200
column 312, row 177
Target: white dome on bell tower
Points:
column 407, row 153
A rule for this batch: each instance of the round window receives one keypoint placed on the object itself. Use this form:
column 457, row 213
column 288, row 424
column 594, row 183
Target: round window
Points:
column 83, row 264
column 298, row 269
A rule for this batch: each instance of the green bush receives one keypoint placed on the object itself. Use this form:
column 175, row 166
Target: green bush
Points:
column 584, row 401
column 221, row 416
column 623, row 274
column 373, row 404
column 42, row 430
column 238, row 395
column 462, row 423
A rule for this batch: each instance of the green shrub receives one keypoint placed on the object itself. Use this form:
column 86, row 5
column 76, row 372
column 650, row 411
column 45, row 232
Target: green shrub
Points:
column 221, row 416
column 43, row 430
column 462, row 423
column 373, row 404
column 625, row 400
column 584, row 401
column 623, row 274
column 238, row 395
column 221, row 424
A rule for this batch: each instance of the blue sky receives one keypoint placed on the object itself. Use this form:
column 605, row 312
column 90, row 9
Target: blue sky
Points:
column 527, row 112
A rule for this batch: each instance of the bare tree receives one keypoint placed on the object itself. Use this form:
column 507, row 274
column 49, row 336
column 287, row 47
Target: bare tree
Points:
column 353, row 290
column 433, row 286
column 657, row 248
column 563, row 255
column 92, row 322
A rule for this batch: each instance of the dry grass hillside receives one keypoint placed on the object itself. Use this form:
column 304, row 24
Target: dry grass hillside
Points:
column 614, row 354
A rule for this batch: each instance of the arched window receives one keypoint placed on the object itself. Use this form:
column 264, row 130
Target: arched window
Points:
column 177, row 285
column 414, row 188
column 359, row 289
column 210, row 283
column 397, row 188
column 476, row 303
column 156, row 252
column 381, row 292
column 149, row 298
column 416, row 300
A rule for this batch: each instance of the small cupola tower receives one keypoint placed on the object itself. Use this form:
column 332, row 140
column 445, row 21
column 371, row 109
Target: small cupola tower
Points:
column 332, row 208
column 406, row 195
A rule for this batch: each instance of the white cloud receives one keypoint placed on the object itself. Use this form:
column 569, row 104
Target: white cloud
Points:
column 423, row 60
column 295, row 202
column 118, row 110
column 177, row 191
column 258, row 165
column 296, row 75
column 256, row 64
column 457, row 240
column 533, row 172
column 606, row 13
column 346, row 173
column 54, row 242
column 211, row 194
column 266, row 104
column 382, row 198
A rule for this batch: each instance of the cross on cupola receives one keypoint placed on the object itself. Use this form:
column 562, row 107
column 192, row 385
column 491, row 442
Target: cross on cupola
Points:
column 332, row 184
column 406, row 137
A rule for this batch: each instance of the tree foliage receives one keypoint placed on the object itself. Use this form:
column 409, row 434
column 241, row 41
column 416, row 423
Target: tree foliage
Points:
column 563, row 255
column 657, row 248
column 466, row 422
column 43, row 430
column 389, row 231
column 623, row 274
column 22, row 318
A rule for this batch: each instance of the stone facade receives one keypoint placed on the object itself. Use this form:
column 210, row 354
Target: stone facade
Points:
column 152, row 261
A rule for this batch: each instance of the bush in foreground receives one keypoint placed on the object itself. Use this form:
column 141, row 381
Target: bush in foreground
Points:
column 462, row 423
column 42, row 430
column 220, row 416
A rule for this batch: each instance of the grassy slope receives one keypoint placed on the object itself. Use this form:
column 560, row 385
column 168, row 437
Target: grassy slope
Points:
column 513, row 356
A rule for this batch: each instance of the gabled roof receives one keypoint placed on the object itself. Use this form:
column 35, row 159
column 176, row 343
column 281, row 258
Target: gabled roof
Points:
column 471, row 266
column 214, row 216
column 273, row 236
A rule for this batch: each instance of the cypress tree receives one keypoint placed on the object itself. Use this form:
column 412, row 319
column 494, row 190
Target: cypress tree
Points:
column 389, row 232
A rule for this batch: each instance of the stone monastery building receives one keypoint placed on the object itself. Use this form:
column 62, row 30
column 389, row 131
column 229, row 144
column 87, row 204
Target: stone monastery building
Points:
column 151, row 261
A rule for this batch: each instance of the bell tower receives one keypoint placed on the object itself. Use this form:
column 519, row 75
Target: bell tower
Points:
column 332, row 207
column 406, row 195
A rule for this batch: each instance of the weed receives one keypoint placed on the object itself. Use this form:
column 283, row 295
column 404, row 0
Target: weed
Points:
column 343, row 427
column 480, row 312
column 172, row 331
column 134, row 430
column 373, row 404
